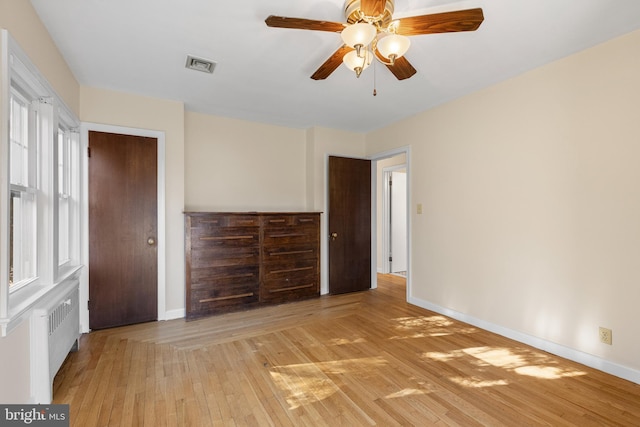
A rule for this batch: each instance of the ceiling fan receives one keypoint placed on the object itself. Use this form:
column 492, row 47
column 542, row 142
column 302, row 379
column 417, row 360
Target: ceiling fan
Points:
column 371, row 32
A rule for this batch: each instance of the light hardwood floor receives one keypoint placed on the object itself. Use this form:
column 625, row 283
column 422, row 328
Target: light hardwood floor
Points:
column 366, row 358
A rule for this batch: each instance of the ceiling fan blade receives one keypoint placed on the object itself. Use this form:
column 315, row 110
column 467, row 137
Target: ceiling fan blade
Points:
column 372, row 7
column 401, row 67
column 303, row 24
column 331, row 64
column 447, row 22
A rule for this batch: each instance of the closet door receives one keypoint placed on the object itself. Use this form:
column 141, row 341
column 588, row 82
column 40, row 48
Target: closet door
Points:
column 349, row 225
column 123, row 258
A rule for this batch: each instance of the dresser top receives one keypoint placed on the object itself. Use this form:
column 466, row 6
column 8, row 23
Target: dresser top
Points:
column 251, row 213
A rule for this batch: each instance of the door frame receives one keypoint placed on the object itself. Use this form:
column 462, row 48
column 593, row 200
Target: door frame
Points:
column 374, row 212
column 85, row 127
column 324, row 247
column 386, row 208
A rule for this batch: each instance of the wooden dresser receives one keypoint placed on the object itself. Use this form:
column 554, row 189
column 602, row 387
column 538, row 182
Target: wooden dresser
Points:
column 236, row 261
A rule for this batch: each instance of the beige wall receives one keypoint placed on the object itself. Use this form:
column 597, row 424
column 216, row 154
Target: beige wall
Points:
column 120, row 109
column 322, row 143
column 234, row 165
column 531, row 201
column 14, row 366
column 24, row 25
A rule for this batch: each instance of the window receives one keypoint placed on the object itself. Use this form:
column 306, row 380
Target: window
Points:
column 64, row 195
column 39, row 186
column 23, row 203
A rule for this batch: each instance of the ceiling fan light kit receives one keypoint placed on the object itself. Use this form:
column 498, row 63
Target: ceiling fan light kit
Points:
column 393, row 46
column 358, row 62
column 372, row 32
column 359, row 35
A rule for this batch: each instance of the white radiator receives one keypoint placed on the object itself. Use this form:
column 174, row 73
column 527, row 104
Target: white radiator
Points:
column 55, row 330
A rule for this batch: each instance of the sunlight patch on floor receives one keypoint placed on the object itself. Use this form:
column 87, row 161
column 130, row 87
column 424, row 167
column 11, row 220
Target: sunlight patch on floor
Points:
column 429, row 326
column 474, row 382
column 303, row 388
column 547, row 372
column 344, row 341
column 307, row 383
column 528, row 363
column 404, row 393
column 501, row 357
column 521, row 361
column 443, row 357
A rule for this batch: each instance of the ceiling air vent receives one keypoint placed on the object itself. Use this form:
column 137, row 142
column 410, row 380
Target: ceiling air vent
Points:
column 200, row 64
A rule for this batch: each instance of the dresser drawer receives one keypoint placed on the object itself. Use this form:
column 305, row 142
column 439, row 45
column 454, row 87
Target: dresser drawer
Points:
column 208, row 300
column 289, row 269
column 224, row 276
column 289, row 252
column 215, row 258
column 204, row 221
column 221, row 220
column 288, row 289
column 227, row 237
column 243, row 221
column 287, row 236
column 279, row 220
column 217, row 289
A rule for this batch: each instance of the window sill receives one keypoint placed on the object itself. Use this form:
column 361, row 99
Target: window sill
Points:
column 22, row 301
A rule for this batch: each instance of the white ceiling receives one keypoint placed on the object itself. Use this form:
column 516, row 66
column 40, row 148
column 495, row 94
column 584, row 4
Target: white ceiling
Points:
column 262, row 73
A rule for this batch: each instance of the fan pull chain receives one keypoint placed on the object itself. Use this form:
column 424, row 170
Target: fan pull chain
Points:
column 374, row 79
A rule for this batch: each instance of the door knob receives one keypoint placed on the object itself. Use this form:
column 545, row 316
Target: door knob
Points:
column 151, row 241
column 333, row 235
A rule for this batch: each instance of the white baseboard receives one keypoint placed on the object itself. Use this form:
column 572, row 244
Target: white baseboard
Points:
column 174, row 314
column 586, row 359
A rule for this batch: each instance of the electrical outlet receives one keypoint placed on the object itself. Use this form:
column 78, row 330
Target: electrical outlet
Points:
column 605, row 335
column 419, row 208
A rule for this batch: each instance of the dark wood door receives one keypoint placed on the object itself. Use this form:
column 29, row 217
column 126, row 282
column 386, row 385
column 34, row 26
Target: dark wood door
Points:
column 123, row 270
column 349, row 225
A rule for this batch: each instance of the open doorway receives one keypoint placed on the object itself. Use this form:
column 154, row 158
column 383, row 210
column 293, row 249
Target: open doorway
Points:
column 392, row 202
column 392, row 214
column 394, row 220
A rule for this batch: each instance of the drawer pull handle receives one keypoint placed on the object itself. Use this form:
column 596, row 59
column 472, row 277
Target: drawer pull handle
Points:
column 305, row 220
column 231, row 276
column 273, row 221
column 226, row 238
column 249, row 294
column 288, row 235
column 308, row 251
column 291, row 269
column 292, row 288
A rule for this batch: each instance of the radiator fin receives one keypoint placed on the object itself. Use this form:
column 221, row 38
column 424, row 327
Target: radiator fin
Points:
column 62, row 311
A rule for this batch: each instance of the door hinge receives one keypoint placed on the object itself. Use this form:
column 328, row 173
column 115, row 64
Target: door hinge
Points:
column 88, row 151
column 88, row 305
column 390, row 259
